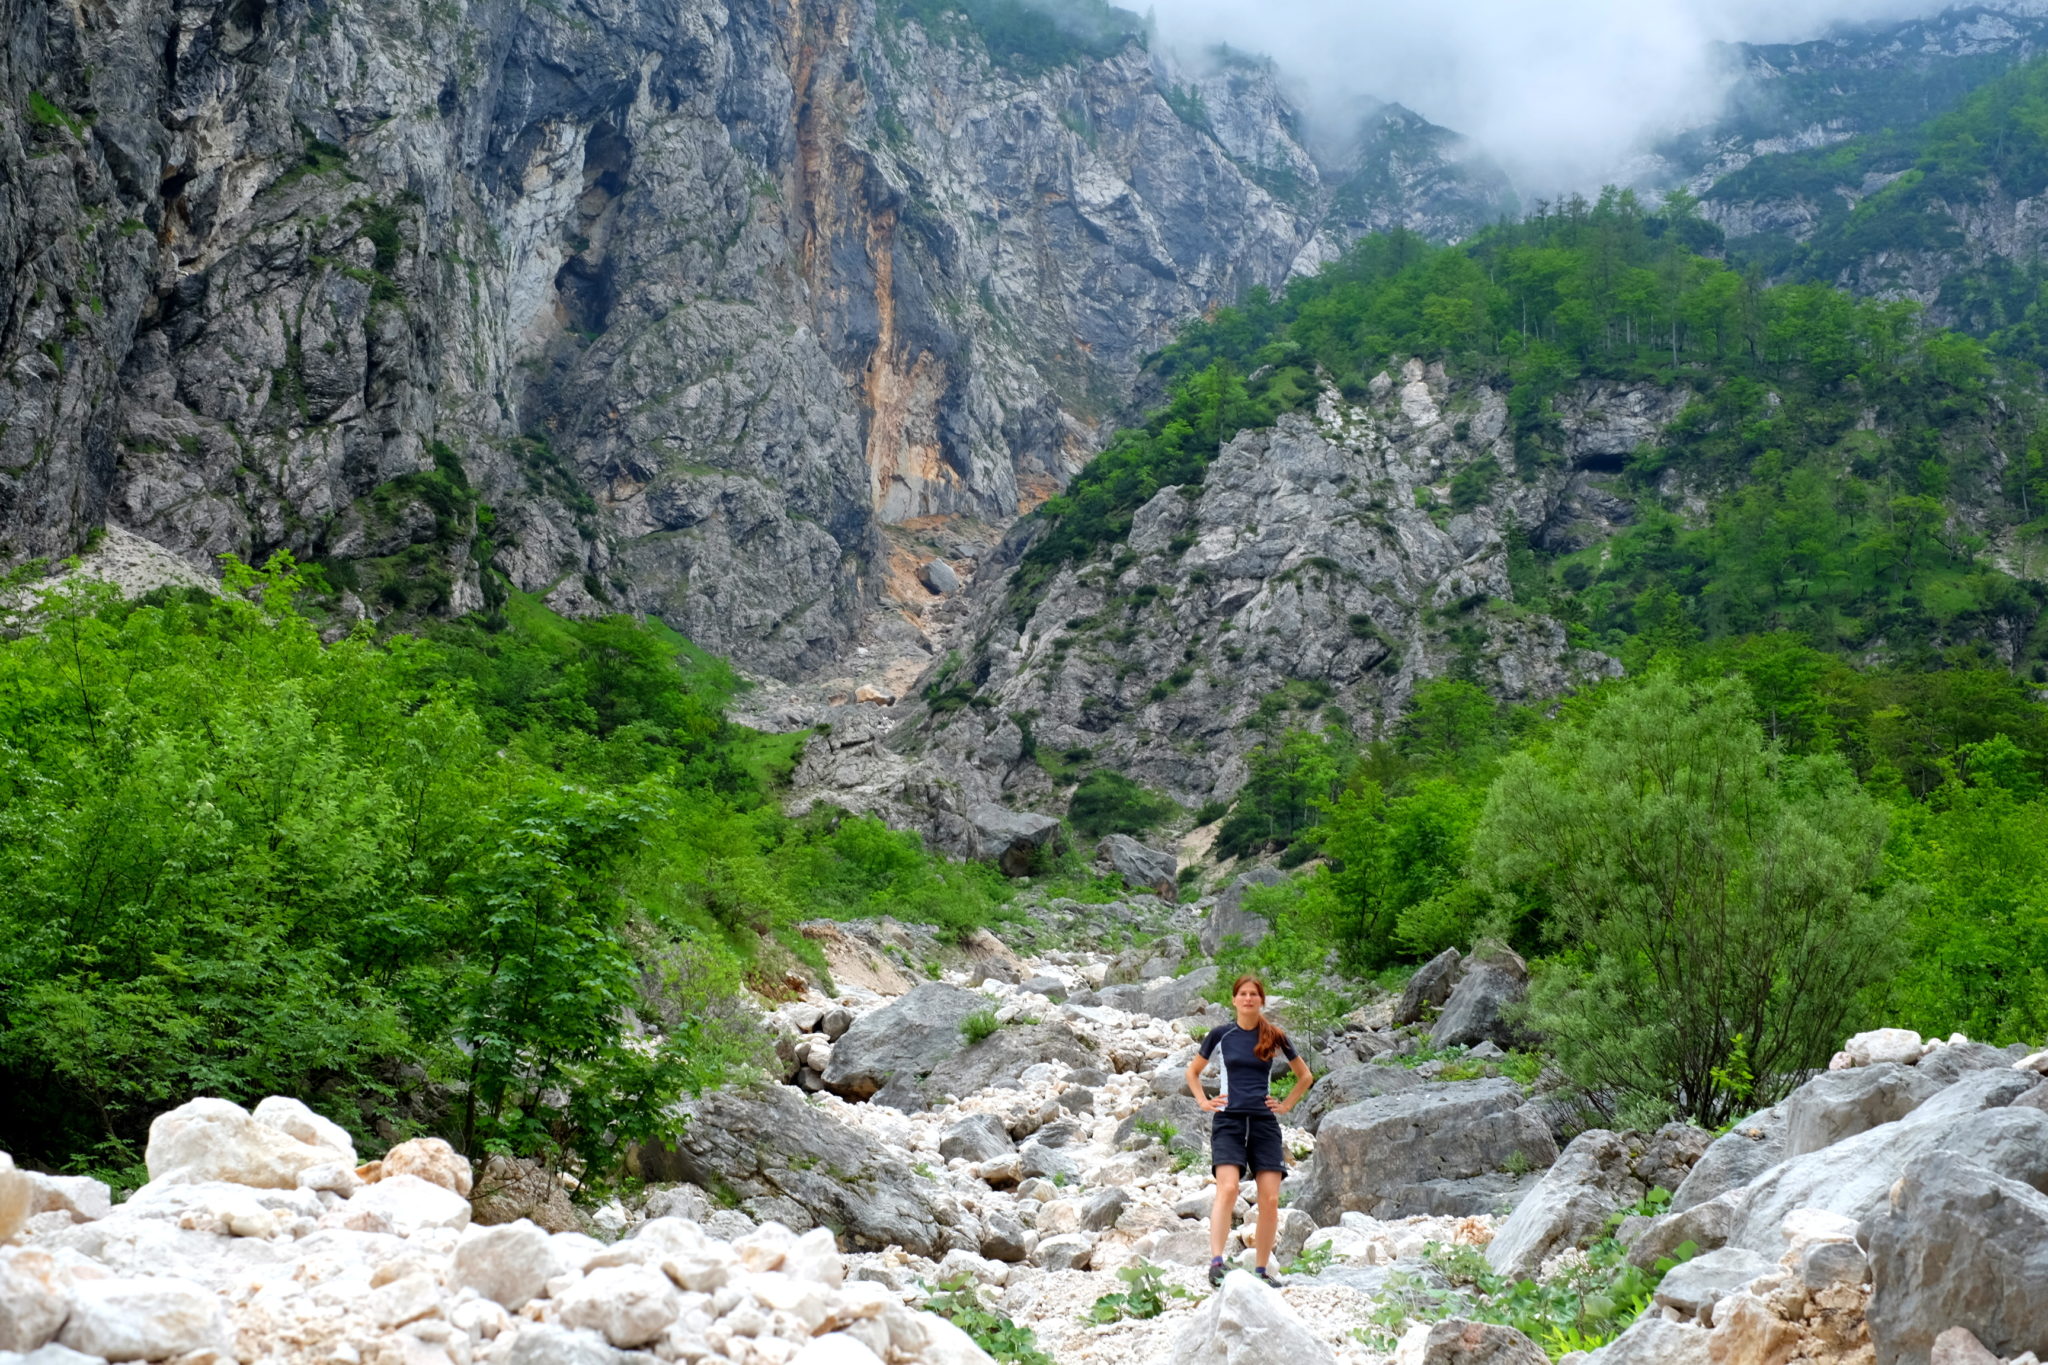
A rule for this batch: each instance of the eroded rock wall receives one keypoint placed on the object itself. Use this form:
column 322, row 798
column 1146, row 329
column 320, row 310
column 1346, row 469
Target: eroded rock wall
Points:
column 692, row 297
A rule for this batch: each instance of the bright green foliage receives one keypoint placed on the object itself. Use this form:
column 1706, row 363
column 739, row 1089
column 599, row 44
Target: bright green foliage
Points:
column 424, row 881
column 979, row 1026
column 1979, row 934
column 1397, row 869
column 1577, row 1310
column 1107, row 802
column 1284, row 791
column 1703, row 885
column 1147, row 1296
column 959, row 1302
column 1992, row 145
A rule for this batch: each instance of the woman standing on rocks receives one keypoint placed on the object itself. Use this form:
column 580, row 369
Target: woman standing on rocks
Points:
column 1244, row 1137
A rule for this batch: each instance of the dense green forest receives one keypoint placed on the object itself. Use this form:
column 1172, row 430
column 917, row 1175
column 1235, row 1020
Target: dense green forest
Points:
column 1907, row 190
column 423, row 883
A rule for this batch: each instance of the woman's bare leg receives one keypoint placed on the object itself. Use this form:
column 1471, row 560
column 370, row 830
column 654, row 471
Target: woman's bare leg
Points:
column 1226, row 1204
column 1269, row 1214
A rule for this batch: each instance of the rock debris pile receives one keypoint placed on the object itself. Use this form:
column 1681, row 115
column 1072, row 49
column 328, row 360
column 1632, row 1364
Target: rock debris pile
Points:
column 1016, row 1134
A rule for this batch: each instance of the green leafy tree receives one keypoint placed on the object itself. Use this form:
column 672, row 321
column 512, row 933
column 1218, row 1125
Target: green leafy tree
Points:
column 1704, row 887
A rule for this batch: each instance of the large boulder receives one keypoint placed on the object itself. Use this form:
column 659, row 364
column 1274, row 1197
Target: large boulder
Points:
column 1186, row 1123
column 1958, row 1245
column 1164, row 997
column 1694, row 1286
column 210, row 1139
column 1478, row 1007
column 1001, row 1056
column 1840, row 1104
column 1570, row 1204
column 1349, row 1085
column 1228, row 919
column 1748, row 1149
column 1429, row 987
column 1017, row 842
column 1442, row 1149
column 1853, row 1176
column 779, row 1158
column 905, row 1039
column 1142, row 868
column 1246, row 1323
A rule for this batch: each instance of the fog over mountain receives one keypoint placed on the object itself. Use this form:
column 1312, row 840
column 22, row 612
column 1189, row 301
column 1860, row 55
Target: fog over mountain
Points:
column 1562, row 92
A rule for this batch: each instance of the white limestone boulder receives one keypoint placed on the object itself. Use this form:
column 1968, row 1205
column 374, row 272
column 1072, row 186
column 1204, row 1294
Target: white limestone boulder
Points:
column 212, row 1139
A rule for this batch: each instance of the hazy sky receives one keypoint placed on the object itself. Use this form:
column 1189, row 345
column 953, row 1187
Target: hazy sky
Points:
column 1558, row 91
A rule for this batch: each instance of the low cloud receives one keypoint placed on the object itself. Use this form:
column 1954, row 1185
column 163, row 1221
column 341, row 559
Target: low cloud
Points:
column 1563, row 93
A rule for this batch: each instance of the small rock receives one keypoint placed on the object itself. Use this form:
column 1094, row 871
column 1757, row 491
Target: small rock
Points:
column 508, row 1264
column 432, row 1160
column 400, row 1204
column 1457, row 1341
column 631, row 1305
column 1068, row 1251
column 1901, row 1045
column 978, row 1137
column 1694, row 1286
column 1959, row 1346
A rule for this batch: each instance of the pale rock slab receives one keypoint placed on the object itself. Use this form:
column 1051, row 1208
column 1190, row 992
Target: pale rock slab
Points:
column 17, row 1198
column 33, row 1303
column 1246, row 1323
column 124, row 1318
column 401, row 1204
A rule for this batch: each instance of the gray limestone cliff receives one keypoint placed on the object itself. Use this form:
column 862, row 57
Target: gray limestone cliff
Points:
column 670, row 305
column 1333, row 560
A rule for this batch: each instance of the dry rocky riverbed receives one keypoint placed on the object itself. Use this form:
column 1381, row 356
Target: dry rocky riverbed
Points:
column 1017, row 1127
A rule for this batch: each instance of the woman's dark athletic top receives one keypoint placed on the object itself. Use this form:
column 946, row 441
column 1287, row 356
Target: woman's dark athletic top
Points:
column 1244, row 1075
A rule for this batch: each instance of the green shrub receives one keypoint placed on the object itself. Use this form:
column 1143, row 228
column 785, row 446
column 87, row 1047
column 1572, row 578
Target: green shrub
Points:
column 1107, row 802
column 959, row 1301
column 1711, row 887
column 1146, row 1297
column 979, row 1026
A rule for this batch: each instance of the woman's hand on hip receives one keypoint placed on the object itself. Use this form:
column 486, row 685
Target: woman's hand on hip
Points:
column 1213, row 1104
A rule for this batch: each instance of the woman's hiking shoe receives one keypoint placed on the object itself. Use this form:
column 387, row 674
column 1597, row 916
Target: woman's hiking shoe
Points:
column 1267, row 1277
column 1216, row 1271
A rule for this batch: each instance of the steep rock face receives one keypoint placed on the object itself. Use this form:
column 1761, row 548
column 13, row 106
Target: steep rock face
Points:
column 693, row 297
column 1859, row 78
column 1321, row 564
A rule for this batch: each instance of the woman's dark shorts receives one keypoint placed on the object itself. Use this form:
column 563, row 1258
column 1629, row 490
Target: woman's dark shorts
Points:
column 1250, row 1142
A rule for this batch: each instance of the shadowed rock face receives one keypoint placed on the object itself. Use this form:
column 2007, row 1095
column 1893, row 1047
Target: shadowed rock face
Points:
column 694, row 297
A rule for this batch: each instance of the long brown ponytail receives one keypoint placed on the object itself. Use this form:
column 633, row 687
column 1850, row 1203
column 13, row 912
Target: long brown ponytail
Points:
column 1270, row 1037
